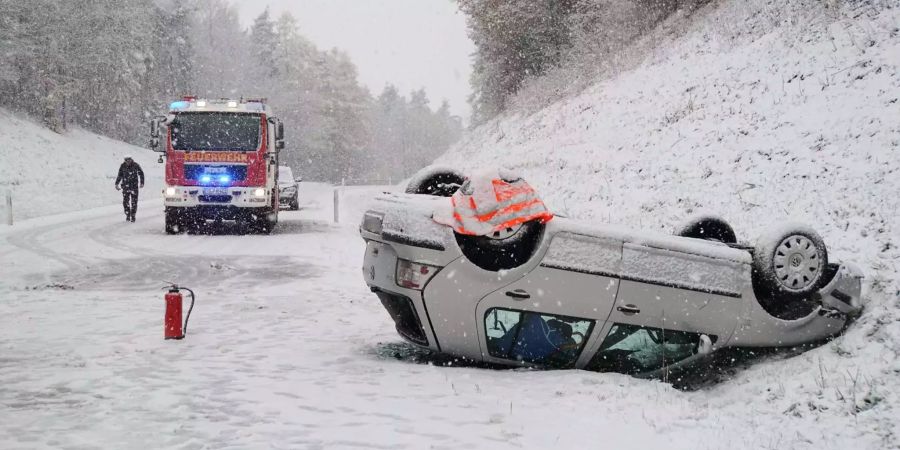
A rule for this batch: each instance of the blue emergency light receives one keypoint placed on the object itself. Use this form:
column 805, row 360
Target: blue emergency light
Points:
column 224, row 179
column 205, row 179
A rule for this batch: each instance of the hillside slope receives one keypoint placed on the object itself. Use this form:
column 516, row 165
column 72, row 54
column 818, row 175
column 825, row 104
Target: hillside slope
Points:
column 50, row 173
column 760, row 113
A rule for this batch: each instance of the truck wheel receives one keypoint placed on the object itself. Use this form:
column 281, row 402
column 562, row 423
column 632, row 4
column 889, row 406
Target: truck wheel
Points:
column 439, row 181
column 173, row 223
column 708, row 227
column 789, row 264
column 502, row 250
column 260, row 224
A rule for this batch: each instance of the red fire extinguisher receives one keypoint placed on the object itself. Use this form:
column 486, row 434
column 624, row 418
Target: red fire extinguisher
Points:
column 173, row 327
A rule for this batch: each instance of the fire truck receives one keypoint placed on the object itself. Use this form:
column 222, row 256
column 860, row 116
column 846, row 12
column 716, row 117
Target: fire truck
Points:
column 221, row 162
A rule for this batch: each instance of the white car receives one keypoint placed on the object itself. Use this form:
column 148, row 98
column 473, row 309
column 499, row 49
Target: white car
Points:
column 589, row 296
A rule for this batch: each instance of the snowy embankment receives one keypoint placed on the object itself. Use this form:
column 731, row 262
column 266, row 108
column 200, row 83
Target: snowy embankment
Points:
column 49, row 173
column 760, row 113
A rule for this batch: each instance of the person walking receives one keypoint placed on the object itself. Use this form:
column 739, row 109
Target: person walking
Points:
column 130, row 179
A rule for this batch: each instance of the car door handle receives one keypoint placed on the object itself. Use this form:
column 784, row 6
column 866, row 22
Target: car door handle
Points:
column 629, row 310
column 518, row 294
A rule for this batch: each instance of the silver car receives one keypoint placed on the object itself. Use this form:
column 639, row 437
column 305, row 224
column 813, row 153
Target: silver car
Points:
column 589, row 296
column 288, row 189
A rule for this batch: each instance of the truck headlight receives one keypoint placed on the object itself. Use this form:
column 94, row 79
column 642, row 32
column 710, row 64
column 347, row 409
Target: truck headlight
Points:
column 259, row 193
column 170, row 192
column 413, row 275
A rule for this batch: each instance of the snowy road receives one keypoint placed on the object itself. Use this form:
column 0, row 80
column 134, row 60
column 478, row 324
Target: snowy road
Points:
column 286, row 348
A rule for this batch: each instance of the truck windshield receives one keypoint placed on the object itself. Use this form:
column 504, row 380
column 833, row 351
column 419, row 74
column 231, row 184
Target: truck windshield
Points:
column 215, row 131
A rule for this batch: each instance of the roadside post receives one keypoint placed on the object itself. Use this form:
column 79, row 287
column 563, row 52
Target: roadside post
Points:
column 9, row 214
column 337, row 204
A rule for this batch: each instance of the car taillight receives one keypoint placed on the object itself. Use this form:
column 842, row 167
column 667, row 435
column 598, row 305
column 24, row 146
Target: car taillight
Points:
column 413, row 275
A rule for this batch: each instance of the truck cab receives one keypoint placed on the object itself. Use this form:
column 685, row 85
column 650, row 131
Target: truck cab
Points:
column 221, row 162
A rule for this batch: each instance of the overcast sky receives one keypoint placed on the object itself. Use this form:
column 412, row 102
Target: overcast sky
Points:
column 410, row 43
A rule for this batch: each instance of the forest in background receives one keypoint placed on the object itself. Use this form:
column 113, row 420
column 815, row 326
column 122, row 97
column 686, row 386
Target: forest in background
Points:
column 110, row 65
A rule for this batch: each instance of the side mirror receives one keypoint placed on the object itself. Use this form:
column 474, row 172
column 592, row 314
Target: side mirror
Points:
column 279, row 130
column 155, row 125
column 298, row 179
column 279, row 145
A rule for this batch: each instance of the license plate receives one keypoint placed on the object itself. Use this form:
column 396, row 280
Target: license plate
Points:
column 216, row 191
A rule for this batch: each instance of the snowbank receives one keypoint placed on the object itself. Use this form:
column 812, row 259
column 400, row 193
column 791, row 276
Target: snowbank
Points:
column 77, row 169
column 761, row 112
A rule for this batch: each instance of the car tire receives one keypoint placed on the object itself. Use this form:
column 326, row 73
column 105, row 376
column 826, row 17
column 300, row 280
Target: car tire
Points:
column 503, row 250
column 789, row 264
column 438, row 181
column 708, row 227
column 295, row 205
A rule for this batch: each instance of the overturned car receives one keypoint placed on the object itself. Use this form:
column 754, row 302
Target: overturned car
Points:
column 528, row 290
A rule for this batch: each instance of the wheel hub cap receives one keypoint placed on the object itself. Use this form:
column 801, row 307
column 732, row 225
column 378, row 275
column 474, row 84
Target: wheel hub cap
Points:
column 797, row 263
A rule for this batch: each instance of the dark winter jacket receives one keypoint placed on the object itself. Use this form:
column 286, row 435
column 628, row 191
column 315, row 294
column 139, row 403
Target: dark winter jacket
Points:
column 130, row 176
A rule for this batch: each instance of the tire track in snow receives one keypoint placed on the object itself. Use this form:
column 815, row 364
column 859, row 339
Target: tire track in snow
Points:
column 29, row 241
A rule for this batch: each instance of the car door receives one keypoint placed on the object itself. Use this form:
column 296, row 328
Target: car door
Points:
column 551, row 314
column 670, row 306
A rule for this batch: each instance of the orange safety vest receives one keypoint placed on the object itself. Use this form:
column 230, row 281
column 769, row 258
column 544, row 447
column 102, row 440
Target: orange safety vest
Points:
column 489, row 203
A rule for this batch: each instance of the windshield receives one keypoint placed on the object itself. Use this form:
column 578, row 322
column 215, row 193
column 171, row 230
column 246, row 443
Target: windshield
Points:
column 285, row 175
column 215, row 131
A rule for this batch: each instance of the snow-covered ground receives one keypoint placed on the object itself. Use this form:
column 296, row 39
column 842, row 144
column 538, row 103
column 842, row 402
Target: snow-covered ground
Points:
column 50, row 173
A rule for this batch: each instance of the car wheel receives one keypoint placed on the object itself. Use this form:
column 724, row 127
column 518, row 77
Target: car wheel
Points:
column 708, row 227
column 295, row 204
column 502, row 250
column 789, row 263
column 439, row 181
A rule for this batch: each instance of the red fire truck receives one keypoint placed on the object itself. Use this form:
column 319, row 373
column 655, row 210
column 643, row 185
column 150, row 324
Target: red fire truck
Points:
column 221, row 160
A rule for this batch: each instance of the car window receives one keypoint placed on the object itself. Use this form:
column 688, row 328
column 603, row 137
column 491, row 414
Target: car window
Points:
column 634, row 349
column 545, row 339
